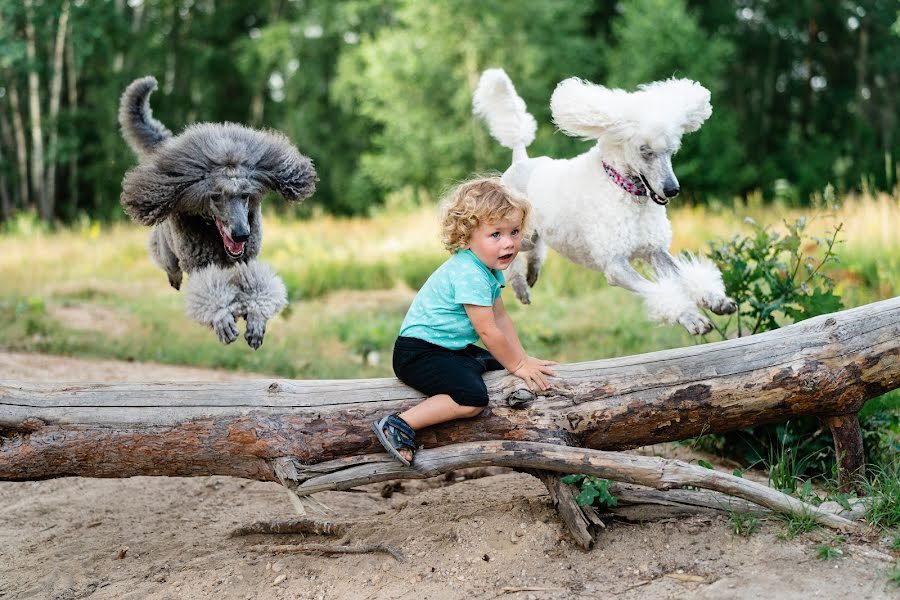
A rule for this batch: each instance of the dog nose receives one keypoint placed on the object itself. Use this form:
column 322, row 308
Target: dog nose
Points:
column 671, row 192
column 240, row 235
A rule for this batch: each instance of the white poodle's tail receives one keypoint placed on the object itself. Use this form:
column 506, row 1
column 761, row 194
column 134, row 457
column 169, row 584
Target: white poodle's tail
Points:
column 507, row 118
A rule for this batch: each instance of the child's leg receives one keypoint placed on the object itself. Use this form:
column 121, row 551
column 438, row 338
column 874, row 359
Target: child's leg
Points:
column 451, row 378
column 438, row 409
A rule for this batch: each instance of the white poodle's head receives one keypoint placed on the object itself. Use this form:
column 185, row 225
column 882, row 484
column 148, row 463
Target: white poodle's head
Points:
column 638, row 131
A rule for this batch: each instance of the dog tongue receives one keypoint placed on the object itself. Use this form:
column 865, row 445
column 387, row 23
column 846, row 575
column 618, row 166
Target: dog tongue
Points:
column 232, row 246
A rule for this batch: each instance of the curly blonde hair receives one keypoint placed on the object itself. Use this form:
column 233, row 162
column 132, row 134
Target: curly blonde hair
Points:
column 483, row 200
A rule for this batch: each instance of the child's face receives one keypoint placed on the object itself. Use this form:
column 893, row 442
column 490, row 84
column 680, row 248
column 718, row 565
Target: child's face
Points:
column 497, row 244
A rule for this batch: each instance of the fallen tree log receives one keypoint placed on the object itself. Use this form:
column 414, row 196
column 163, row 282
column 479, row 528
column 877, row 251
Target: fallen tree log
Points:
column 827, row 366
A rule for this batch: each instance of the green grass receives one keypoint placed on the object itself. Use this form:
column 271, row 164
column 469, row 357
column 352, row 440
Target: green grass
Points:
column 893, row 575
column 883, row 490
column 795, row 525
column 831, row 549
column 743, row 524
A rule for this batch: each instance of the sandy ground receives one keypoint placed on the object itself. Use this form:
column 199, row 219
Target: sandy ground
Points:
column 471, row 537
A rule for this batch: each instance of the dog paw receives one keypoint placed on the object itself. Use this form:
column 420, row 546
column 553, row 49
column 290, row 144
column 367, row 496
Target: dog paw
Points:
column 256, row 330
column 695, row 323
column 226, row 329
column 521, row 290
column 721, row 305
column 175, row 280
column 532, row 277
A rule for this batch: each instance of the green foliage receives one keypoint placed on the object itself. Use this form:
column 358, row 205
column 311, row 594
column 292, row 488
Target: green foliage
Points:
column 796, row 525
column 883, row 491
column 785, row 468
column 893, row 575
column 831, row 549
column 743, row 524
column 775, row 278
column 591, row 490
column 378, row 92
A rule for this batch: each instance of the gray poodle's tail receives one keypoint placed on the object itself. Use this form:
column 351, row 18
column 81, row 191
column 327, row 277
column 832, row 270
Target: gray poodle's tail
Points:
column 142, row 132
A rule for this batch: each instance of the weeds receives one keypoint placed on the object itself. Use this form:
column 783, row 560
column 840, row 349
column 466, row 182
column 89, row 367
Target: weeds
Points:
column 743, row 524
column 796, row 525
column 883, row 490
column 833, row 548
column 591, row 490
column 893, row 575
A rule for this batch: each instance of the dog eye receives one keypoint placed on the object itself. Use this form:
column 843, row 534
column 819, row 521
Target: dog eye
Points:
column 647, row 153
column 215, row 196
column 245, row 196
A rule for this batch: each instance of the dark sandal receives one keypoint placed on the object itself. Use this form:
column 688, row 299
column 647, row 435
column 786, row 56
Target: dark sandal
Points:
column 399, row 436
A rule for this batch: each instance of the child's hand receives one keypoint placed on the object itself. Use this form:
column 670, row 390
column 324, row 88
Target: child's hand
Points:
column 533, row 371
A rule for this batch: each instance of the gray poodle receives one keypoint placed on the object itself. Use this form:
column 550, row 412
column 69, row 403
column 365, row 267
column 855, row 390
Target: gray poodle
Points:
column 201, row 191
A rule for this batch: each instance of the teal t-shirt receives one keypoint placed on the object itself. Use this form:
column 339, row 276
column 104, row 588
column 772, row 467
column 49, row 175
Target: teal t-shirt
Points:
column 437, row 314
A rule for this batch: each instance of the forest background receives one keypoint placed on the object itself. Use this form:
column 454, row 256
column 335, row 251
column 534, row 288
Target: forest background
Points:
column 378, row 93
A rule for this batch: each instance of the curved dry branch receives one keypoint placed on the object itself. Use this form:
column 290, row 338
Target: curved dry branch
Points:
column 652, row 472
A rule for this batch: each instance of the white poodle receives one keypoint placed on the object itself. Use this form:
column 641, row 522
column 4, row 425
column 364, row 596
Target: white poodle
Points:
column 606, row 207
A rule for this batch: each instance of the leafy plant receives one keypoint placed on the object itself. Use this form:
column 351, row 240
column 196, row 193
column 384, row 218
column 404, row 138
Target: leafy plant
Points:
column 774, row 276
column 591, row 490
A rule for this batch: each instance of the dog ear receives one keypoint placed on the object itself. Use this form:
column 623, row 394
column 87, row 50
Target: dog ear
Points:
column 283, row 169
column 688, row 97
column 148, row 195
column 584, row 109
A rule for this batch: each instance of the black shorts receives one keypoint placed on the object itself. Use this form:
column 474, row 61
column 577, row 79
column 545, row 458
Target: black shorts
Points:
column 433, row 369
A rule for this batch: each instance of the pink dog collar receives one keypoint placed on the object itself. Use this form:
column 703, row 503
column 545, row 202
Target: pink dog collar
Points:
column 632, row 185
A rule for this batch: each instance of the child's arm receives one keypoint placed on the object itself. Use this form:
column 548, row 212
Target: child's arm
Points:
column 507, row 348
column 501, row 317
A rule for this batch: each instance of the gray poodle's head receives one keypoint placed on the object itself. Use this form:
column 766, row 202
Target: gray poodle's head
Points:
column 220, row 172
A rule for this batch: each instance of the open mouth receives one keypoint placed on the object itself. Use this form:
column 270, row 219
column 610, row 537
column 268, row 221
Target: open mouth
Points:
column 233, row 248
column 506, row 257
column 661, row 200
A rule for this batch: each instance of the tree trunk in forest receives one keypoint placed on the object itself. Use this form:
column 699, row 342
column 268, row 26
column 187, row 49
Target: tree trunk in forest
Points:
column 21, row 145
column 827, row 366
column 45, row 207
column 72, row 98
column 55, row 94
column 6, row 145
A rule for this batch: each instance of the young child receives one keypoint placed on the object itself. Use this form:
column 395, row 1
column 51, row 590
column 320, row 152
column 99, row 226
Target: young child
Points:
column 482, row 227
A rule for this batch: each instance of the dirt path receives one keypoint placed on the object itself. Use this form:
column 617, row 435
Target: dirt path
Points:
column 488, row 537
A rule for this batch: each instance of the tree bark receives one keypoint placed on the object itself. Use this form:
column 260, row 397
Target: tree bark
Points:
column 6, row 144
column 72, row 98
column 55, row 95
column 826, row 366
column 34, row 111
column 21, row 146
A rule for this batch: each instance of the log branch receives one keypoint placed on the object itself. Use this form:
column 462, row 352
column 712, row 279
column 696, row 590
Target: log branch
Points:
column 654, row 472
